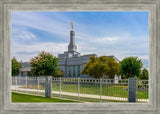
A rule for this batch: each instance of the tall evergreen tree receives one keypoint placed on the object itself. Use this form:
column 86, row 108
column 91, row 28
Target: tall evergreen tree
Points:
column 15, row 66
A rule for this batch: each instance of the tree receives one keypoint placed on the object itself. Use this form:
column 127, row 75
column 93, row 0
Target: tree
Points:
column 59, row 73
column 130, row 67
column 15, row 66
column 99, row 67
column 45, row 64
column 29, row 73
column 144, row 74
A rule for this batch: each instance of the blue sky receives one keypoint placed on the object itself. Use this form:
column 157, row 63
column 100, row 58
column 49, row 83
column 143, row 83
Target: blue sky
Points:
column 121, row 34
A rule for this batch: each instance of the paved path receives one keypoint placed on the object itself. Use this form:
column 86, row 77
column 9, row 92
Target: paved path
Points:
column 80, row 95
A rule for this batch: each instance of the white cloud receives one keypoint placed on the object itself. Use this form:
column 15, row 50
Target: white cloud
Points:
column 21, row 34
column 40, row 22
column 27, row 36
column 105, row 39
column 25, row 52
column 146, row 57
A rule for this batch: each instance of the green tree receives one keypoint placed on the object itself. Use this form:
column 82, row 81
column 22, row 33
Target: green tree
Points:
column 29, row 73
column 15, row 66
column 45, row 64
column 144, row 74
column 99, row 67
column 130, row 67
column 59, row 73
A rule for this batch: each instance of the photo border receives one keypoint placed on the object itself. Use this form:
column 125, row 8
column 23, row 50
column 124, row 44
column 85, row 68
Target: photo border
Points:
column 7, row 6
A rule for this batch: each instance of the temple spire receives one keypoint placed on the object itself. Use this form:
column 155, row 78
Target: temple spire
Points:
column 72, row 46
column 72, row 24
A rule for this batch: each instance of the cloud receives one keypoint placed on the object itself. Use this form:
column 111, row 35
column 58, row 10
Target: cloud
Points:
column 109, row 43
column 27, row 36
column 21, row 34
column 105, row 39
column 38, row 21
column 26, row 52
column 144, row 57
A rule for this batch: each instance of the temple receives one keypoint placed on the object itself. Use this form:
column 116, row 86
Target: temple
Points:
column 71, row 62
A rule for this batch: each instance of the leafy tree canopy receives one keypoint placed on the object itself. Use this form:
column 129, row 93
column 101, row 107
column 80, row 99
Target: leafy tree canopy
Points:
column 45, row 64
column 99, row 67
column 59, row 73
column 144, row 74
column 130, row 67
column 15, row 66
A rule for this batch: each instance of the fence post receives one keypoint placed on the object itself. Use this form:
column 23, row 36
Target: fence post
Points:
column 16, row 83
column 26, row 84
column 38, row 86
column 137, row 90
column 132, row 89
column 100, row 89
column 48, row 86
column 60, row 87
column 78, row 87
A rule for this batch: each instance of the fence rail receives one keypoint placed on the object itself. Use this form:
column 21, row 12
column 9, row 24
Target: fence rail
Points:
column 83, row 89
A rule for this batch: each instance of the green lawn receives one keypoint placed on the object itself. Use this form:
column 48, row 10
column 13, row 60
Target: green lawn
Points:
column 87, row 99
column 17, row 97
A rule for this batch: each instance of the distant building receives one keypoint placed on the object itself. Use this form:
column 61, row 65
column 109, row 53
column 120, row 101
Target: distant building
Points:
column 25, row 69
column 71, row 62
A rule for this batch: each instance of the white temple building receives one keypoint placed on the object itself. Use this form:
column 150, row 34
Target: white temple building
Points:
column 71, row 62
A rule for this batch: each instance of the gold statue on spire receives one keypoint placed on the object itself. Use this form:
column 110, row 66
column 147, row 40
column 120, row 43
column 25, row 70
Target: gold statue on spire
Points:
column 72, row 24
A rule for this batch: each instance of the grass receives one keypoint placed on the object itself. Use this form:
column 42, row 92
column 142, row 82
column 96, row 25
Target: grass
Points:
column 18, row 97
column 86, row 99
column 143, row 95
